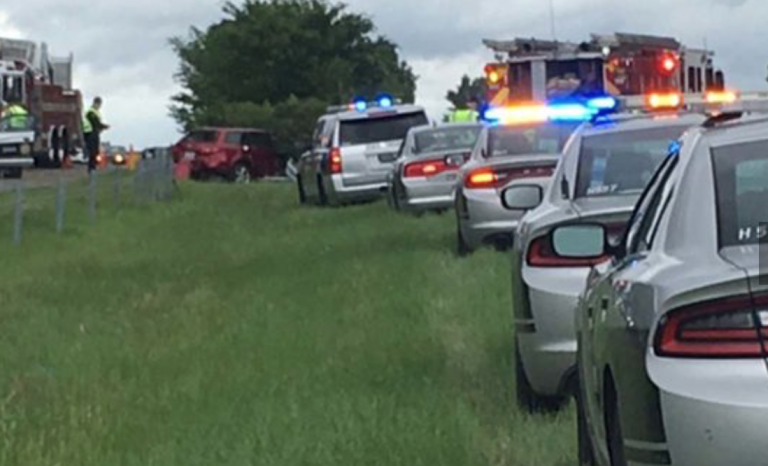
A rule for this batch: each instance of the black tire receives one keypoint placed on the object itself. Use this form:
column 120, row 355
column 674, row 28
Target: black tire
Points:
column 321, row 195
column 395, row 199
column 527, row 399
column 302, row 193
column 241, row 174
column 613, row 432
column 462, row 248
column 586, row 453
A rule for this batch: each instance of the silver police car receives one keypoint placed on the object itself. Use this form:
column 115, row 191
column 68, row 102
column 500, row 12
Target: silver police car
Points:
column 673, row 331
column 425, row 174
column 604, row 169
column 502, row 154
column 353, row 153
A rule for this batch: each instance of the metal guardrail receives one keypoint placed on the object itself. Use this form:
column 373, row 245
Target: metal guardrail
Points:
column 152, row 181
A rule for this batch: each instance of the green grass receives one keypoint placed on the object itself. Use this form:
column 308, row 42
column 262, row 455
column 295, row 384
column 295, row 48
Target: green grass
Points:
column 231, row 327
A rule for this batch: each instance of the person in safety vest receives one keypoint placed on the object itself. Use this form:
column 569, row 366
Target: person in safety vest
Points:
column 93, row 126
column 466, row 115
column 17, row 116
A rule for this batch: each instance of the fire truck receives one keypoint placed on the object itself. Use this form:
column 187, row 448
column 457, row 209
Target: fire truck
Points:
column 617, row 64
column 43, row 85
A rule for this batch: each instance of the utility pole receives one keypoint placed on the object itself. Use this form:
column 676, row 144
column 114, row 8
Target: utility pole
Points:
column 552, row 19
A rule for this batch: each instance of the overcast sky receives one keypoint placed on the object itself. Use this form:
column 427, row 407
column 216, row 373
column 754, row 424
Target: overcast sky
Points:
column 122, row 53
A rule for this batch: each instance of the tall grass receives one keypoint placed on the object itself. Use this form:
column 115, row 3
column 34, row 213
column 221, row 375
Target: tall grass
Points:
column 232, row 327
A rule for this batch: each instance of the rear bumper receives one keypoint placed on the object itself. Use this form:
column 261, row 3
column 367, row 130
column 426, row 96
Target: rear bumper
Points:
column 341, row 193
column 715, row 412
column 484, row 220
column 427, row 195
column 549, row 348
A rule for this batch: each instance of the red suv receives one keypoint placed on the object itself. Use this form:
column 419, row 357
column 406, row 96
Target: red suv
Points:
column 237, row 154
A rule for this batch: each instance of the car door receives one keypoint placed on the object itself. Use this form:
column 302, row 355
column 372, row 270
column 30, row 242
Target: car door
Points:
column 607, row 311
column 233, row 148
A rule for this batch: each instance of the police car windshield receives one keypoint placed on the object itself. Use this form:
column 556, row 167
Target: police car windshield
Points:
column 445, row 139
column 379, row 128
column 741, row 179
column 506, row 141
column 622, row 163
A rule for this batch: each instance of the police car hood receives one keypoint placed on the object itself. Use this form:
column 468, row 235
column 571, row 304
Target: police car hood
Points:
column 16, row 137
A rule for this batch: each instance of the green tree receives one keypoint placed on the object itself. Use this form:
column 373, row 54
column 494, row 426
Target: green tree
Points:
column 468, row 90
column 277, row 64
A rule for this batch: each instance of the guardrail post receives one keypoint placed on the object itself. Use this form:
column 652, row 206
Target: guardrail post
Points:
column 18, row 214
column 61, row 204
column 92, row 196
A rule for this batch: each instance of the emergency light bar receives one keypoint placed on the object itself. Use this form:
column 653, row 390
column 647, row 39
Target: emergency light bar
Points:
column 711, row 102
column 361, row 104
column 574, row 109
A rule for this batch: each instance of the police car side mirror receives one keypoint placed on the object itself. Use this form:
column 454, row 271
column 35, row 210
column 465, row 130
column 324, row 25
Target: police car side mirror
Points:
column 522, row 197
column 582, row 241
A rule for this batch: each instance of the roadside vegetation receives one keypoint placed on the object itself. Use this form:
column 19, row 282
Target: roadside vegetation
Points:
column 232, row 327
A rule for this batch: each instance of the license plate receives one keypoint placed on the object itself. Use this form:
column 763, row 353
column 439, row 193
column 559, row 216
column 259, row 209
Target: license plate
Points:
column 189, row 155
column 387, row 158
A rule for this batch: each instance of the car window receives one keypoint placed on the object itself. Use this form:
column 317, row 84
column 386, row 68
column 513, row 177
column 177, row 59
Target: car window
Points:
column 234, row 138
column 505, row 141
column 317, row 137
column 641, row 230
column 261, row 140
column 445, row 139
column 204, row 136
column 380, row 128
column 741, row 182
column 622, row 162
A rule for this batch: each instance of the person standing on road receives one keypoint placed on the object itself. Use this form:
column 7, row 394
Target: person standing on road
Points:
column 93, row 126
column 465, row 115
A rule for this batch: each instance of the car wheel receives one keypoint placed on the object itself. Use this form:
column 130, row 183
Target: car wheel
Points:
column 614, row 434
column 462, row 248
column 586, row 453
column 302, row 193
column 241, row 174
column 527, row 398
column 322, row 196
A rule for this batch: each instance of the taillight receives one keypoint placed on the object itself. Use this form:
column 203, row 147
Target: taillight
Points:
column 542, row 254
column 425, row 168
column 726, row 328
column 487, row 177
column 334, row 161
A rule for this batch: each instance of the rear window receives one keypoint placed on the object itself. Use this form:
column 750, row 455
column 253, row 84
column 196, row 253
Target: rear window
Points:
column 445, row 139
column 505, row 141
column 741, row 180
column 380, row 128
column 202, row 136
column 622, row 163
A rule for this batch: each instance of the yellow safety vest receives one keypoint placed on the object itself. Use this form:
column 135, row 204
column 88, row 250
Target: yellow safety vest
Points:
column 87, row 126
column 17, row 116
column 464, row 116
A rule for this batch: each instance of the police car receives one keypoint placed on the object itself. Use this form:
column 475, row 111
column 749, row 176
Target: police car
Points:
column 354, row 150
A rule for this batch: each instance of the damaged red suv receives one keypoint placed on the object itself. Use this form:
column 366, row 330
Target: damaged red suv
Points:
column 236, row 154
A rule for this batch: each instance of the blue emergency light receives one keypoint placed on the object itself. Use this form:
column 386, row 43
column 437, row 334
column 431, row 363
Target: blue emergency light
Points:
column 385, row 101
column 360, row 104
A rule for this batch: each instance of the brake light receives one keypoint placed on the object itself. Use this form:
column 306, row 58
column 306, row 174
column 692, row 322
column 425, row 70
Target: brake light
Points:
column 425, row 168
column 334, row 161
column 725, row 328
column 483, row 178
column 541, row 254
column 721, row 97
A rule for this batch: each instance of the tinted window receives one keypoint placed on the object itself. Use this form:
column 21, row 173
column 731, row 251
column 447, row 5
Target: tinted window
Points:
column 202, row 136
column 504, row 141
column 380, row 128
column 622, row 163
column 741, row 179
column 445, row 139
column 262, row 140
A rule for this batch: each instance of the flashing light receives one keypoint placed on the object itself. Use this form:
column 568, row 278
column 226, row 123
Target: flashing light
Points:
column 570, row 112
column 721, row 97
column 605, row 103
column 334, row 165
column 531, row 113
column 494, row 77
column 661, row 101
column 360, row 105
column 669, row 64
column 385, row 101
